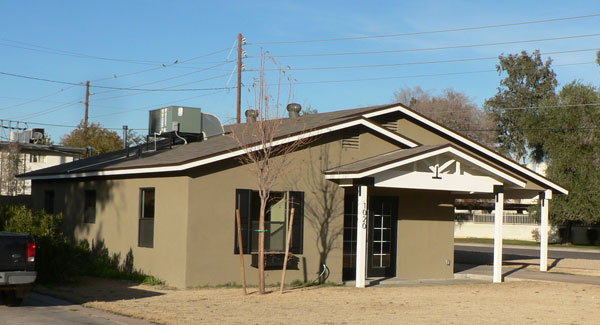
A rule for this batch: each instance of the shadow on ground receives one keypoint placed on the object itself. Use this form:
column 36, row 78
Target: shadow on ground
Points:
column 89, row 289
column 464, row 260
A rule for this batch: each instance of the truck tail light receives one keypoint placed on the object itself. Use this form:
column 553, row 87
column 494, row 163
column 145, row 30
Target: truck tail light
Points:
column 30, row 252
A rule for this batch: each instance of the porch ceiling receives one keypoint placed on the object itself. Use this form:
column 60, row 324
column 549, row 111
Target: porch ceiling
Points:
column 439, row 167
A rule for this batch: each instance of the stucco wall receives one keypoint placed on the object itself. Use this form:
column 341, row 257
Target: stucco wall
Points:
column 425, row 235
column 211, row 227
column 117, row 215
column 194, row 225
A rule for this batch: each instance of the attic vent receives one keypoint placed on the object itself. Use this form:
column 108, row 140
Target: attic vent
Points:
column 389, row 122
column 351, row 138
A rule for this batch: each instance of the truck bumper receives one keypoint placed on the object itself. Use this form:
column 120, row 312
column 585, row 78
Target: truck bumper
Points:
column 17, row 278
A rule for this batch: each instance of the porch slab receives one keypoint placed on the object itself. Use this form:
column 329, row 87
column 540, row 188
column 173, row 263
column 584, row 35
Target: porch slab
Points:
column 401, row 282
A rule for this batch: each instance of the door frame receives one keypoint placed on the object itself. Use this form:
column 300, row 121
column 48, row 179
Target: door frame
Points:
column 391, row 270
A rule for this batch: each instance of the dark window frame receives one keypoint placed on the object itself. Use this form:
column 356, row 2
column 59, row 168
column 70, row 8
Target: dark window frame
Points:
column 246, row 201
column 145, row 219
column 89, row 206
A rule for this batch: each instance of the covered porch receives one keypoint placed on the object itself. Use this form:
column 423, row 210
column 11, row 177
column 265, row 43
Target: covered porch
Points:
column 393, row 196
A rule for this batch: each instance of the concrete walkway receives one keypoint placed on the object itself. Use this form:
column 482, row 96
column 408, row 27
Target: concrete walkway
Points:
column 484, row 272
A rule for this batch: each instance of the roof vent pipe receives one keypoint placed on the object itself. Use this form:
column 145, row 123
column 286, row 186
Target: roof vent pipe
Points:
column 251, row 115
column 294, row 110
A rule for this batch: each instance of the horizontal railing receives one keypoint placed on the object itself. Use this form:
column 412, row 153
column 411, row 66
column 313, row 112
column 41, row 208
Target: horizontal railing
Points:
column 510, row 219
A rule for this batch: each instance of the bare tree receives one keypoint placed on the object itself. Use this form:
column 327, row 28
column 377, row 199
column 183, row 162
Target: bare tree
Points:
column 12, row 165
column 451, row 108
column 265, row 158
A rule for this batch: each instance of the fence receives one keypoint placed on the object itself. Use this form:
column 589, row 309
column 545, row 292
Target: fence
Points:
column 509, row 219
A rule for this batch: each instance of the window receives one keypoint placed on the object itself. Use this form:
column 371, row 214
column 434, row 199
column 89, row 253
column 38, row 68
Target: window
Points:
column 49, row 202
column 37, row 158
column 277, row 220
column 89, row 207
column 146, row 225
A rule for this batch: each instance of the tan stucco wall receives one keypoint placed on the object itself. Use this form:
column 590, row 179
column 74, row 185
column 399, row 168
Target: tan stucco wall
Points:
column 425, row 235
column 212, row 207
column 117, row 215
column 194, row 225
column 418, row 133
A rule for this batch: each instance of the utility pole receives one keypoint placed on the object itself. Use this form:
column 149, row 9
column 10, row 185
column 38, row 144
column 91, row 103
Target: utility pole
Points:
column 87, row 104
column 239, row 81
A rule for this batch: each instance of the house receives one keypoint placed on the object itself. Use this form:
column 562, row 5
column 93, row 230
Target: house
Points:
column 27, row 151
column 373, row 194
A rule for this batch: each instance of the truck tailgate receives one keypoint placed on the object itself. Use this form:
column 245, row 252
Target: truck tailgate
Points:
column 13, row 251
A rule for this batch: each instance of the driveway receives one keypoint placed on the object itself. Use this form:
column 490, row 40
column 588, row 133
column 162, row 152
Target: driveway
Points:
column 572, row 265
column 473, row 253
column 42, row 309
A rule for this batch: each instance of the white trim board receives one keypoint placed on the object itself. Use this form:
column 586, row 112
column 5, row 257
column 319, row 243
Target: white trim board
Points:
column 460, row 138
column 448, row 149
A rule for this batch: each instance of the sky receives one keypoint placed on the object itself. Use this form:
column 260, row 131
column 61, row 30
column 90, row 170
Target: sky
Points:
column 183, row 53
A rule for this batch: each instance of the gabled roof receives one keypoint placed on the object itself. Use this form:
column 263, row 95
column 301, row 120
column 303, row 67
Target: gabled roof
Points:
column 473, row 145
column 371, row 166
column 182, row 157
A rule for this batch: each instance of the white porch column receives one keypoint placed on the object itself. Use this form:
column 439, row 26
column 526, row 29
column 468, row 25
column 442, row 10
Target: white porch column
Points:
column 545, row 209
column 361, row 237
column 498, row 218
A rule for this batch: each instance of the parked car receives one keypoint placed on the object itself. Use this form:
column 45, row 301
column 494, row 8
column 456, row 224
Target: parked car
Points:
column 17, row 266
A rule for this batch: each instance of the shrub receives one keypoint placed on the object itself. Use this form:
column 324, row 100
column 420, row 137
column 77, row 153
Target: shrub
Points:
column 57, row 259
column 53, row 252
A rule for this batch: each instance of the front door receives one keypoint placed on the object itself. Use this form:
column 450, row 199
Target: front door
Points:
column 383, row 212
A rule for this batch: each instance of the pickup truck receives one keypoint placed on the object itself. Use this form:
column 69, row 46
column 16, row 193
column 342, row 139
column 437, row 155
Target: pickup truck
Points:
column 17, row 266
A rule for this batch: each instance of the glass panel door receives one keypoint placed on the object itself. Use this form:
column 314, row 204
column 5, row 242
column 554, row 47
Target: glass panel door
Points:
column 382, row 236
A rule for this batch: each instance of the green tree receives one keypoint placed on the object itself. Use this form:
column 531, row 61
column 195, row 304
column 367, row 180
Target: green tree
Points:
column 100, row 139
column 571, row 143
column 527, row 83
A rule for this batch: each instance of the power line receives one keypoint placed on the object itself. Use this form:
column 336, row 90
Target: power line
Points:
column 432, row 48
column 35, row 99
column 161, row 67
column 420, row 75
column 428, row 32
column 104, row 87
column 170, row 78
column 143, row 92
column 412, row 63
column 44, row 49
column 159, row 105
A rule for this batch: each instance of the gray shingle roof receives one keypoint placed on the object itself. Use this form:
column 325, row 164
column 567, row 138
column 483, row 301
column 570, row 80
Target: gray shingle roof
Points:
column 181, row 154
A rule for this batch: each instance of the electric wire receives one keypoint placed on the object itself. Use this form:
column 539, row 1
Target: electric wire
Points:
column 44, row 49
column 28, row 101
column 103, row 87
column 421, row 75
column 383, row 65
column 427, row 32
column 166, row 79
column 433, row 48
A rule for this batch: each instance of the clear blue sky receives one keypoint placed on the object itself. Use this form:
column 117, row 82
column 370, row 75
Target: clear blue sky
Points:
column 72, row 40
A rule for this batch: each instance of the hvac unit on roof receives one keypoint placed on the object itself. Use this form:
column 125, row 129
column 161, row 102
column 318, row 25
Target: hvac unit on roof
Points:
column 183, row 121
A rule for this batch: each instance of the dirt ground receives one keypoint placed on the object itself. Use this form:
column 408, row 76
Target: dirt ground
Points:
column 512, row 302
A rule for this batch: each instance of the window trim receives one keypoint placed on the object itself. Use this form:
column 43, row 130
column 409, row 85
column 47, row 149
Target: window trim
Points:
column 143, row 221
column 243, row 202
